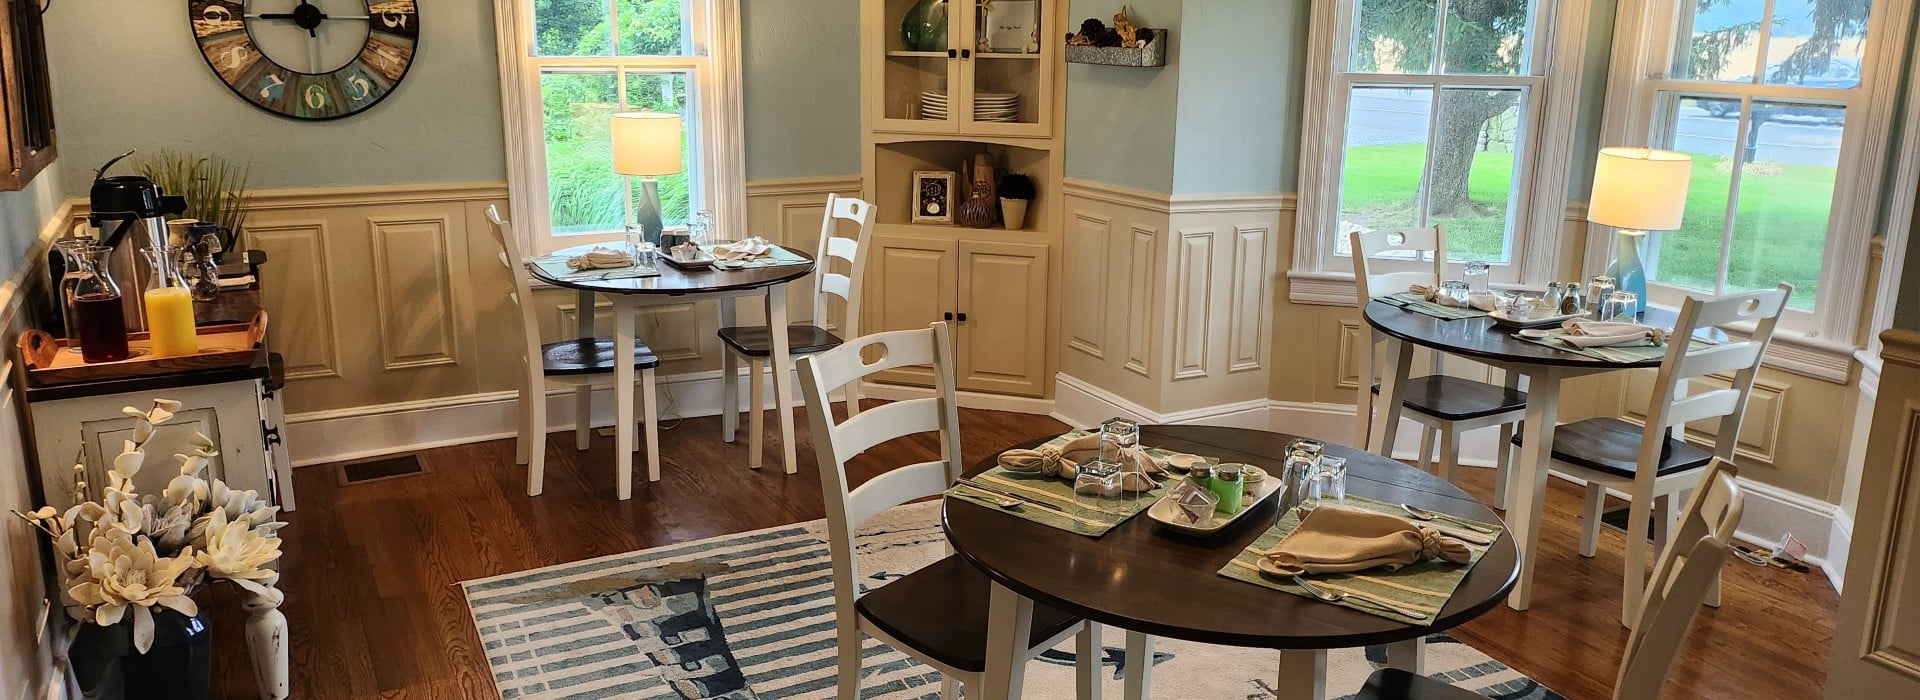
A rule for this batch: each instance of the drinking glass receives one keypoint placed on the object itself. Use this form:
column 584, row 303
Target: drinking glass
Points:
column 1456, row 290
column 1476, row 275
column 1331, row 479
column 637, row 240
column 1099, row 478
column 1599, row 290
column 1621, row 304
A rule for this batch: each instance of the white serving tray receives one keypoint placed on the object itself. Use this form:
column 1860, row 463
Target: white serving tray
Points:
column 1500, row 317
column 1169, row 514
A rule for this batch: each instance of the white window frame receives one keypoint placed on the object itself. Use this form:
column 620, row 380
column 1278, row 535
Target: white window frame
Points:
column 1316, row 275
column 715, row 107
column 1819, row 343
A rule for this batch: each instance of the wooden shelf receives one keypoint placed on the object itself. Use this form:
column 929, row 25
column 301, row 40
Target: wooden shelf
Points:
column 917, row 54
column 953, row 231
column 1025, row 56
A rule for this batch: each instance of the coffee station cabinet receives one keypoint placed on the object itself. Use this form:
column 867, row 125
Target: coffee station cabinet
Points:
column 947, row 84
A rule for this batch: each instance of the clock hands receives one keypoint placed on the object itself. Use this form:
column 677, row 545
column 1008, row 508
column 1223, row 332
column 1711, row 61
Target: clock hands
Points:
column 308, row 16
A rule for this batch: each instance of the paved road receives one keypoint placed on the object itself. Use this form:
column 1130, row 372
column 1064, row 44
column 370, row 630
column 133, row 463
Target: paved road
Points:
column 1383, row 117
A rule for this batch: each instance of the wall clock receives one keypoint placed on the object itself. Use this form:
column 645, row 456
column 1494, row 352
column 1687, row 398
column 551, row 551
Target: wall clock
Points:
column 308, row 59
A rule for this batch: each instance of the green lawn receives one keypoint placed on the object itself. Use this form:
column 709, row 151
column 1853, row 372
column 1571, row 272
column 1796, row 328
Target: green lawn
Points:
column 1779, row 230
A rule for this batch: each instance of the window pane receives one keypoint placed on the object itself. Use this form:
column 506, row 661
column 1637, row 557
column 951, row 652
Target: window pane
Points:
column 1705, row 128
column 1487, row 38
column 1386, row 152
column 653, row 28
column 1817, row 43
column 583, row 191
column 1724, row 42
column 572, row 28
column 667, row 92
column 1792, row 155
column 1470, row 189
column 1394, row 36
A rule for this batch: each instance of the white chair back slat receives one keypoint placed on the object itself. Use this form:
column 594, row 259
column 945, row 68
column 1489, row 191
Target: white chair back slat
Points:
column 898, row 349
column 1367, row 245
column 895, row 487
column 1753, row 307
column 837, row 284
column 842, row 248
column 522, row 294
column 1680, row 364
column 876, row 425
column 850, row 250
column 1701, row 406
column 1681, row 581
column 1718, row 359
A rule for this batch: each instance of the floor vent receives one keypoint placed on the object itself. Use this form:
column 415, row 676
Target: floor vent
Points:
column 382, row 468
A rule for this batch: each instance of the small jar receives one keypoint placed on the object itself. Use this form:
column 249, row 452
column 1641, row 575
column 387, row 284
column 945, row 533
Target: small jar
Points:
column 1228, row 487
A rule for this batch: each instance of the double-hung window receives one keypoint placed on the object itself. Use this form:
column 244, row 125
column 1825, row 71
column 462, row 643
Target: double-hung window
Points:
column 1422, row 113
column 1773, row 99
column 567, row 66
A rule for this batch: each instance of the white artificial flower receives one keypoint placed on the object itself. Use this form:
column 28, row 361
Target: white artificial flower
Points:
column 122, row 574
column 239, row 554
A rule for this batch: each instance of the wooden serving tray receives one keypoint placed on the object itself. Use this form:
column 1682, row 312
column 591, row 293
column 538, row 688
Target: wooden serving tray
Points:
column 229, row 345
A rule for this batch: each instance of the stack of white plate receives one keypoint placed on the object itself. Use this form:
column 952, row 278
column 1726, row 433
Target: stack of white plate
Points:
column 933, row 105
column 996, row 107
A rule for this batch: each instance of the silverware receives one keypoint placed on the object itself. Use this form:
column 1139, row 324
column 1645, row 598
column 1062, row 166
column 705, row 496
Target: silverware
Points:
column 1337, row 596
column 1015, row 496
column 994, row 498
column 1424, row 514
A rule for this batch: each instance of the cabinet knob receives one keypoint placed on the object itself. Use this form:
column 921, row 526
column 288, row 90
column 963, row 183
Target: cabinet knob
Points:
column 948, row 316
column 963, row 317
column 952, row 53
column 966, row 53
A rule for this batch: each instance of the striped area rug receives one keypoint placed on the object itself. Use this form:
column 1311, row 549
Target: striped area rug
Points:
column 751, row 616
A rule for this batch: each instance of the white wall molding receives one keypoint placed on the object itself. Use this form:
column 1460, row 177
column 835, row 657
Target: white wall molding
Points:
column 374, row 195
column 797, row 186
column 1839, row 544
column 1146, row 200
column 1233, row 202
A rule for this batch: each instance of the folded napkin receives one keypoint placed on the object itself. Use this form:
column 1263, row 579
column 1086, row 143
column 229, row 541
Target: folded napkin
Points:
column 1591, row 334
column 744, row 250
column 1061, row 461
column 1336, row 540
column 600, row 259
column 1481, row 301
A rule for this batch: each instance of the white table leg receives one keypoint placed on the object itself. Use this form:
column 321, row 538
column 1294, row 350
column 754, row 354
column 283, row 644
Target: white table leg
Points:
column 1009, row 616
column 583, row 311
column 1088, row 654
column 623, row 379
column 1409, row 655
column 1528, row 499
column 782, row 372
column 1393, row 389
column 1139, row 672
column 1503, row 465
column 729, row 378
column 1303, row 675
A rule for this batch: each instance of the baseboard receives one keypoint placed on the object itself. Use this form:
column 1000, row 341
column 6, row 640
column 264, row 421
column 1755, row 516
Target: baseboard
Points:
column 1839, row 543
column 967, row 399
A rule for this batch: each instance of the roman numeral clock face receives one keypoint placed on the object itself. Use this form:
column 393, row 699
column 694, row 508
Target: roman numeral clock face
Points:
column 308, row 59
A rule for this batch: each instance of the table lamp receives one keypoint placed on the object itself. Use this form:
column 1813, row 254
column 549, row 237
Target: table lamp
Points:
column 1636, row 190
column 647, row 144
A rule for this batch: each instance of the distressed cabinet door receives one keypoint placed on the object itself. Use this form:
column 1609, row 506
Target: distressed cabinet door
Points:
column 1003, row 299
column 909, row 285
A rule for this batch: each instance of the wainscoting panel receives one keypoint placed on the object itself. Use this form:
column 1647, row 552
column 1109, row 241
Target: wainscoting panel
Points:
column 1347, row 372
column 1247, row 314
column 1140, row 319
column 414, row 292
column 301, row 321
column 1759, row 427
column 1086, row 271
column 1193, row 303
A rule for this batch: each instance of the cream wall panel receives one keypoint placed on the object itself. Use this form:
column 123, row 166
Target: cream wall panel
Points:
column 1140, row 320
column 1759, row 438
column 301, row 320
column 1193, row 303
column 1876, row 646
column 1249, row 311
column 1346, row 374
column 999, row 352
column 1086, row 271
column 1112, row 294
column 414, row 292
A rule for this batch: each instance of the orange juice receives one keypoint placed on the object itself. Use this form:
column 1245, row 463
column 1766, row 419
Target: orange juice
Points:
column 170, row 321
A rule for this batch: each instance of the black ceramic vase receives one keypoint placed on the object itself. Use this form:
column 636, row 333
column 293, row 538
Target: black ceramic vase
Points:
column 178, row 666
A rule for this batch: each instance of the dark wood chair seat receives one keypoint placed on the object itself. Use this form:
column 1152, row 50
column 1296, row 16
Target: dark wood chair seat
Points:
column 1453, row 398
column 941, row 611
column 1395, row 684
column 1612, row 445
column 590, row 356
column 755, row 341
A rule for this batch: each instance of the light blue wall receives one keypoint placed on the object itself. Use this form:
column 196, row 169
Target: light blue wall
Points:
column 1120, row 121
column 132, row 77
column 24, row 213
column 802, row 74
column 1241, row 81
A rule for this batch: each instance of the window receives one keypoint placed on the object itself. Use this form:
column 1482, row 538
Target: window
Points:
column 569, row 65
column 1772, row 100
column 1428, row 112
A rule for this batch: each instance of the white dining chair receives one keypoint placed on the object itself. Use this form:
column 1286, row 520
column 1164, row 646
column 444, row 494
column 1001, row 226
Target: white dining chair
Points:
column 937, row 614
column 1652, row 462
column 1444, row 406
column 1688, row 572
column 754, row 344
column 581, row 364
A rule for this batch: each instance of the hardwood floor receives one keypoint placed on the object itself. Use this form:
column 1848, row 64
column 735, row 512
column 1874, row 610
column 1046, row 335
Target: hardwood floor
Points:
column 370, row 569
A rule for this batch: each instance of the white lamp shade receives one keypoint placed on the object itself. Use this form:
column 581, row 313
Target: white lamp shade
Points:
column 646, row 143
column 1643, row 189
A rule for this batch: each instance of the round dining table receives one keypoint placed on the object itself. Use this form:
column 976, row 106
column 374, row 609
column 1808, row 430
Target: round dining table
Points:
column 1154, row 582
column 676, row 286
column 1543, row 368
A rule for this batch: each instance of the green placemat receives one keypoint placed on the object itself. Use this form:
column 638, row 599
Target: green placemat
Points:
column 556, row 267
column 1086, row 516
column 777, row 257
column 1417, row 303
column 1424, row 586
column 1610, row 353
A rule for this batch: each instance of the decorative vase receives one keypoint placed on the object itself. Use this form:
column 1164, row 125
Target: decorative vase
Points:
column 1626, row 269
column 979, row 210
column 178, row 666
column 1014, row 212
column 925, row 26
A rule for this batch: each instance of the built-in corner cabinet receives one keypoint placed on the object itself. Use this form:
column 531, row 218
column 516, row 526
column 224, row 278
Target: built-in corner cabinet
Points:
column 942, row 82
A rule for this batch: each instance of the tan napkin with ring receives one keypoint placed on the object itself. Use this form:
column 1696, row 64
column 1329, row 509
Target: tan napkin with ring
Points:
column 1592, row 334
column 1333, row 540
column 600, row 259
column 1060, row 462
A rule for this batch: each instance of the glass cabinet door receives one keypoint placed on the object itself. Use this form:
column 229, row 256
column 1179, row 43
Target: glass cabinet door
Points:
column 921, row 66
column 1008, row 66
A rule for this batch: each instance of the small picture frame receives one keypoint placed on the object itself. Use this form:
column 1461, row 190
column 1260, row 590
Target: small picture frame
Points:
column 1011, row 26
column 933, row 196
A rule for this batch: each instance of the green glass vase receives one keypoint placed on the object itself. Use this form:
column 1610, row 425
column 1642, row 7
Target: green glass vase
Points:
column 925, row 26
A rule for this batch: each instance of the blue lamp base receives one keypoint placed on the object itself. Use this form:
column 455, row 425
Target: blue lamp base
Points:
column 1628, row 273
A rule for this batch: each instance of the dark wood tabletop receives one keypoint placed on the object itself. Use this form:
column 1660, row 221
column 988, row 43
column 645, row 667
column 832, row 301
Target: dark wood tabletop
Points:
column 1144, row 577
column 674, row 281
column 1480, row 338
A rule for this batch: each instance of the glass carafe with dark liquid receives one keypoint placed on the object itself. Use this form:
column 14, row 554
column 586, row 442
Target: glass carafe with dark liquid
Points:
column 73, row 268
column 99, row 319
